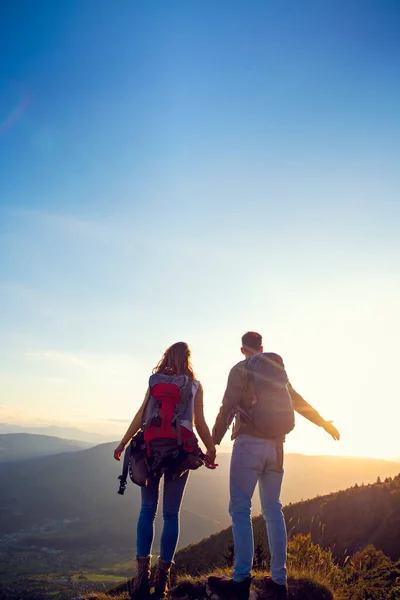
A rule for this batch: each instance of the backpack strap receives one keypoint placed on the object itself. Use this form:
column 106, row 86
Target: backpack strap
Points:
column 249, row 378
column 195, row 387
column 248, row 386
column 176, row 418
column 146, row 406
column 184, row 396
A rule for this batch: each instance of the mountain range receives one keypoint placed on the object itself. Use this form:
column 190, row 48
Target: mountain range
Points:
column 61, row 513
column 69, row 433
column 82, row 484
column 22, row 446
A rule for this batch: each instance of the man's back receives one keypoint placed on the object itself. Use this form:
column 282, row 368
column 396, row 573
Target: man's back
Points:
column 236, row 402
column 238, row 395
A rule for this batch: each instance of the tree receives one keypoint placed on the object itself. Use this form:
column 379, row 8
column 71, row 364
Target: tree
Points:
column 259, row 558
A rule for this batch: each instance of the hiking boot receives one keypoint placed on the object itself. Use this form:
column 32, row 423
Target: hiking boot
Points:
column 140, row 589
column 228, row 588
column 161, row 579
column 280, row 591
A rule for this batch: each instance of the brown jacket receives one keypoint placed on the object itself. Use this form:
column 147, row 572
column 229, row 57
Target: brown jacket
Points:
column 237, row 394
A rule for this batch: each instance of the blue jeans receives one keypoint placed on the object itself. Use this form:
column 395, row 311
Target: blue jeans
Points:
column 257, row 460
column 173, row 494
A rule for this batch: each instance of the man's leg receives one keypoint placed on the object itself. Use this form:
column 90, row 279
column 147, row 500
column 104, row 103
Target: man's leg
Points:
column 246, row 466
column 270, row 491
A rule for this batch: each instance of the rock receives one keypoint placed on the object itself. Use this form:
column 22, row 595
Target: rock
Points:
column 211, row 596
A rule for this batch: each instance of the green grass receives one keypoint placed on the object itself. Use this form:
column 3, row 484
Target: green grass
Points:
column 123, row 565
column 124, row 596
column 301, row 586
column 313, row 575
column 99, row 577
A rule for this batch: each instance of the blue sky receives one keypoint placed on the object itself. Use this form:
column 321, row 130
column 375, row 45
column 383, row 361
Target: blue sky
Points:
column 192, row 170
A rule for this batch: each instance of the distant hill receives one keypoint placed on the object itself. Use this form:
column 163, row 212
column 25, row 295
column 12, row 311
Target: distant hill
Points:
column 346, row 522
column 21, row 446
column 69, row 433
column 62, row 513
column 305, row 477
column 83, row 485
column 71, row 500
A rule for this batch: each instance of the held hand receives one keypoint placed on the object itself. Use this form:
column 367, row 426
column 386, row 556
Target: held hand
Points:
column 210, row 458
column 119, row 450
column 210, row 465
column 331, row 429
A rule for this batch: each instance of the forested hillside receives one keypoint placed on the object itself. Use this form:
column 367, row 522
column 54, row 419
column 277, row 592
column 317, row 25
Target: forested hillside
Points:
column 345, row 521
column 320, row 566
column 63, row 516
column 83, row 486
column 351, row 546
column 350, row 520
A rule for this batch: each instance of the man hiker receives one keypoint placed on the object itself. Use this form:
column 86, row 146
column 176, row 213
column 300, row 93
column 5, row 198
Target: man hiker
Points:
column 254, row 384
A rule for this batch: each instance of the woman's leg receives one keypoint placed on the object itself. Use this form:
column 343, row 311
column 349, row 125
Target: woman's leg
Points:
column 145, row 526
column 173, row 494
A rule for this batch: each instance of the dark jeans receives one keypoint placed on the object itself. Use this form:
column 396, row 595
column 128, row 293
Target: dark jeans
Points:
column 173, row 494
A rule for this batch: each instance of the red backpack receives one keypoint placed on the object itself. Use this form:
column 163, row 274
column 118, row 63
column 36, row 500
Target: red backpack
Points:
column 168, row 418
column 166, row 441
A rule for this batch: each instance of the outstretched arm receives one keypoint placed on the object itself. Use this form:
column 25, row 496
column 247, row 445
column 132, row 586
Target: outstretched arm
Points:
column 307, row 411
column 132, row 429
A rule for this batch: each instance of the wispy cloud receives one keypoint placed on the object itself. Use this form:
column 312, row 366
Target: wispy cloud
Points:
column 38, row 302
column 15, row 416
column 121, row 365
column 107, row 232
column 18, row 416
column 57, row 357
column 68, row 223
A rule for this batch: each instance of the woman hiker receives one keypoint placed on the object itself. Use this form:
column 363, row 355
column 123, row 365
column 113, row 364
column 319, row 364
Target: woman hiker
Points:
column 174, row 364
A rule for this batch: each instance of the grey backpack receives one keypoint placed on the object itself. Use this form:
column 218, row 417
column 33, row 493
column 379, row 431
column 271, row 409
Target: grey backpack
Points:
column 272, row 411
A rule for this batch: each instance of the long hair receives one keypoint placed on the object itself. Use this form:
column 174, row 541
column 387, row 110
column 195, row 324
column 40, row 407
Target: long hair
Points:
column 176, row 361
